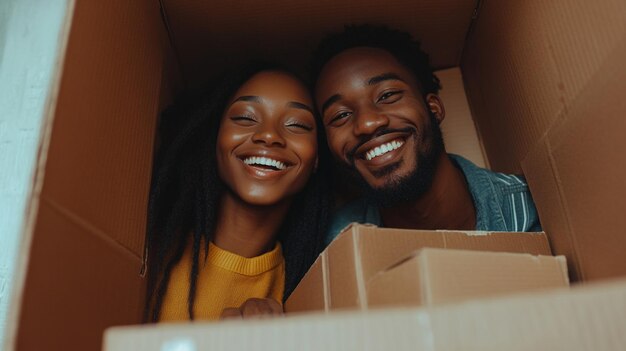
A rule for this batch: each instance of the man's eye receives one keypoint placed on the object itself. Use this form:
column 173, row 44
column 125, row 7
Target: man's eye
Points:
column 339, row 118
column 390, row 96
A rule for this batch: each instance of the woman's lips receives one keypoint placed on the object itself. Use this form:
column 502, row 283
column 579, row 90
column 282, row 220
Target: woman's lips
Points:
column 265, row 162
column 264, row 168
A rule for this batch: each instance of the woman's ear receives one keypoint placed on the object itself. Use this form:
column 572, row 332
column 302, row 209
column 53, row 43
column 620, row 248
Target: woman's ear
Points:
column 435, row 106
column 317, row 162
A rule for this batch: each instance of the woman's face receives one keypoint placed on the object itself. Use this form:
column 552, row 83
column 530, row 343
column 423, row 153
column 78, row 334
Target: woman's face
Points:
column 267, row 141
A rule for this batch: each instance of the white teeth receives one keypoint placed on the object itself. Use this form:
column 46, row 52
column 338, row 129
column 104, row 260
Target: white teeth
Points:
column 383, row 149
column 265, row 162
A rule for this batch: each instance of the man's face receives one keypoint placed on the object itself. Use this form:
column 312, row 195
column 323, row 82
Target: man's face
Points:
column 377, row 122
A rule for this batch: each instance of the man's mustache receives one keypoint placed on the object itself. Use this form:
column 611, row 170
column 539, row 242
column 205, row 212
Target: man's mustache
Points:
column 380, row 132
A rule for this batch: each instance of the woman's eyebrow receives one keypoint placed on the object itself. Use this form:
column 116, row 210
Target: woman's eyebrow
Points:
column 295, row 104
column 252, row 98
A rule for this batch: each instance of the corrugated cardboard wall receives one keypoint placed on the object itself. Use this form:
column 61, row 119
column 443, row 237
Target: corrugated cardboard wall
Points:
column 88, row 239
column 526, row 61
column 458, row 128
column 210, row 36
column 578, row 171
column 548, row 77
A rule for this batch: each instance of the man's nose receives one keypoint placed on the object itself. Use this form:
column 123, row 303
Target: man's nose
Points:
column 369, row 121
column 268, row 135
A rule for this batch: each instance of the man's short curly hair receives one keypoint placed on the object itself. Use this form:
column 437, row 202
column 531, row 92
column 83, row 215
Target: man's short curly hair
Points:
column 398, row 43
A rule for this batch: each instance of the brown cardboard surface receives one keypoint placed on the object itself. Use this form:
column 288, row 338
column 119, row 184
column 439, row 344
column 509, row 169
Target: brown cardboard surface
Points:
column 459, row 131
column 578, row 171
column 361, row 251
column 309, row 296
column 433, row 276
column 341, row 271
column 209, row 36
column 525, row 62
column 583, row 318
column 399, row 285
column 100, row 155
column 95, row 165
column 78, row 284
column 380, row 247
column 533, row 70
column 23, row 257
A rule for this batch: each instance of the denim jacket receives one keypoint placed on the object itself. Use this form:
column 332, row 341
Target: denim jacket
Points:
column 503, row 203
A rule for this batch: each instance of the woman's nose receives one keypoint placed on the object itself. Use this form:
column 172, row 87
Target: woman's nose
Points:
column 269, row 136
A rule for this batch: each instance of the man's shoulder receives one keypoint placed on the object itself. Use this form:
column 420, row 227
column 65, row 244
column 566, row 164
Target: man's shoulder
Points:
column 481, row 177
column 503, row 201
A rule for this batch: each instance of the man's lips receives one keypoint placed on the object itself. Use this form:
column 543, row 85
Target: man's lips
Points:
column 380, row 144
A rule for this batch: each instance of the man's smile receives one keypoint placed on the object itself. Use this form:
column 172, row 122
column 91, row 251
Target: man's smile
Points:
column 382, row 149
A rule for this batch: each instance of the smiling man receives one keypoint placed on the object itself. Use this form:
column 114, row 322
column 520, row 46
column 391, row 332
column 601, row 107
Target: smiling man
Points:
column 377, row 96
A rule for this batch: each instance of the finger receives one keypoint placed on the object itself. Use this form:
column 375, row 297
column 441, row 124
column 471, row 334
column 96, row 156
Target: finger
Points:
column 276, row 308
column 261, row 308
column 231, row 313
column 255, row 307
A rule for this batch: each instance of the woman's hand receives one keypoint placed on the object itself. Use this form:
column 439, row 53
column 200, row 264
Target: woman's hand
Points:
column 253, row 308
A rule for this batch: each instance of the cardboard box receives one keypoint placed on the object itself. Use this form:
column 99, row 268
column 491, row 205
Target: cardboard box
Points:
column 544, row 83
column 581, row 319
column 433, row 276
column 338, row 277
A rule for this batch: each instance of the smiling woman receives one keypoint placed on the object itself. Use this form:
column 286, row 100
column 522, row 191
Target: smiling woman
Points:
column 239, row 204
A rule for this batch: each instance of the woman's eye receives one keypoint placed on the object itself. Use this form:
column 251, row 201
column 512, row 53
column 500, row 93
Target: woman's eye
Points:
column 390, row 96
column 299, row 125
column 339, row 118
column 243, row 120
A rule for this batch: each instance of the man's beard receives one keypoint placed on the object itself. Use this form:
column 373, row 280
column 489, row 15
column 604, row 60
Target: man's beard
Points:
column 411, row 186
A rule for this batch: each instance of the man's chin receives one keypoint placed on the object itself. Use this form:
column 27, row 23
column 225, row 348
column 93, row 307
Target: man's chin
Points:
column 396, row 186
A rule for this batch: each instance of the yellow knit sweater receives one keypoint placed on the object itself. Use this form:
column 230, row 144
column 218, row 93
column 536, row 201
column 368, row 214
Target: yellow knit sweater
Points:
column 226, row 280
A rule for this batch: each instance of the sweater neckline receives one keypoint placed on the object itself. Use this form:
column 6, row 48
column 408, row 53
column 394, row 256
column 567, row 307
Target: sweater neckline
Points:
column 244, row 265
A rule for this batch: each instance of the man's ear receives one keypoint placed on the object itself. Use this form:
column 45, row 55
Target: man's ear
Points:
column 435, row 105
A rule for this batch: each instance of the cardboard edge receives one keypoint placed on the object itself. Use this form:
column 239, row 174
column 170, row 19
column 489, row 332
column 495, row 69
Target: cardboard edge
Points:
column 32, row 206
column 326, row 281
column 349, row 227
column 484, row 232
column 360, row 280
column 422, row 261
column 542, row 149
column 563, row 264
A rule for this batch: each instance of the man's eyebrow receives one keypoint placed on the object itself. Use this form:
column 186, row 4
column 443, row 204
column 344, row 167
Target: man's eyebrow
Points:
column 251, row 98
column 299, row 105
column 383, row 77
column 331, row 100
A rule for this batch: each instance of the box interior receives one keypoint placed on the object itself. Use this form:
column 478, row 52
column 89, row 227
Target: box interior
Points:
column 543, row 83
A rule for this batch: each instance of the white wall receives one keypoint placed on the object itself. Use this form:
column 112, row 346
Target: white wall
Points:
column 29, row 37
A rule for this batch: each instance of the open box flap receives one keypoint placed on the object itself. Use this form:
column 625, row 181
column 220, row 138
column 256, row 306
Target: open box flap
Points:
column 88, row 220
column 577, row 172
